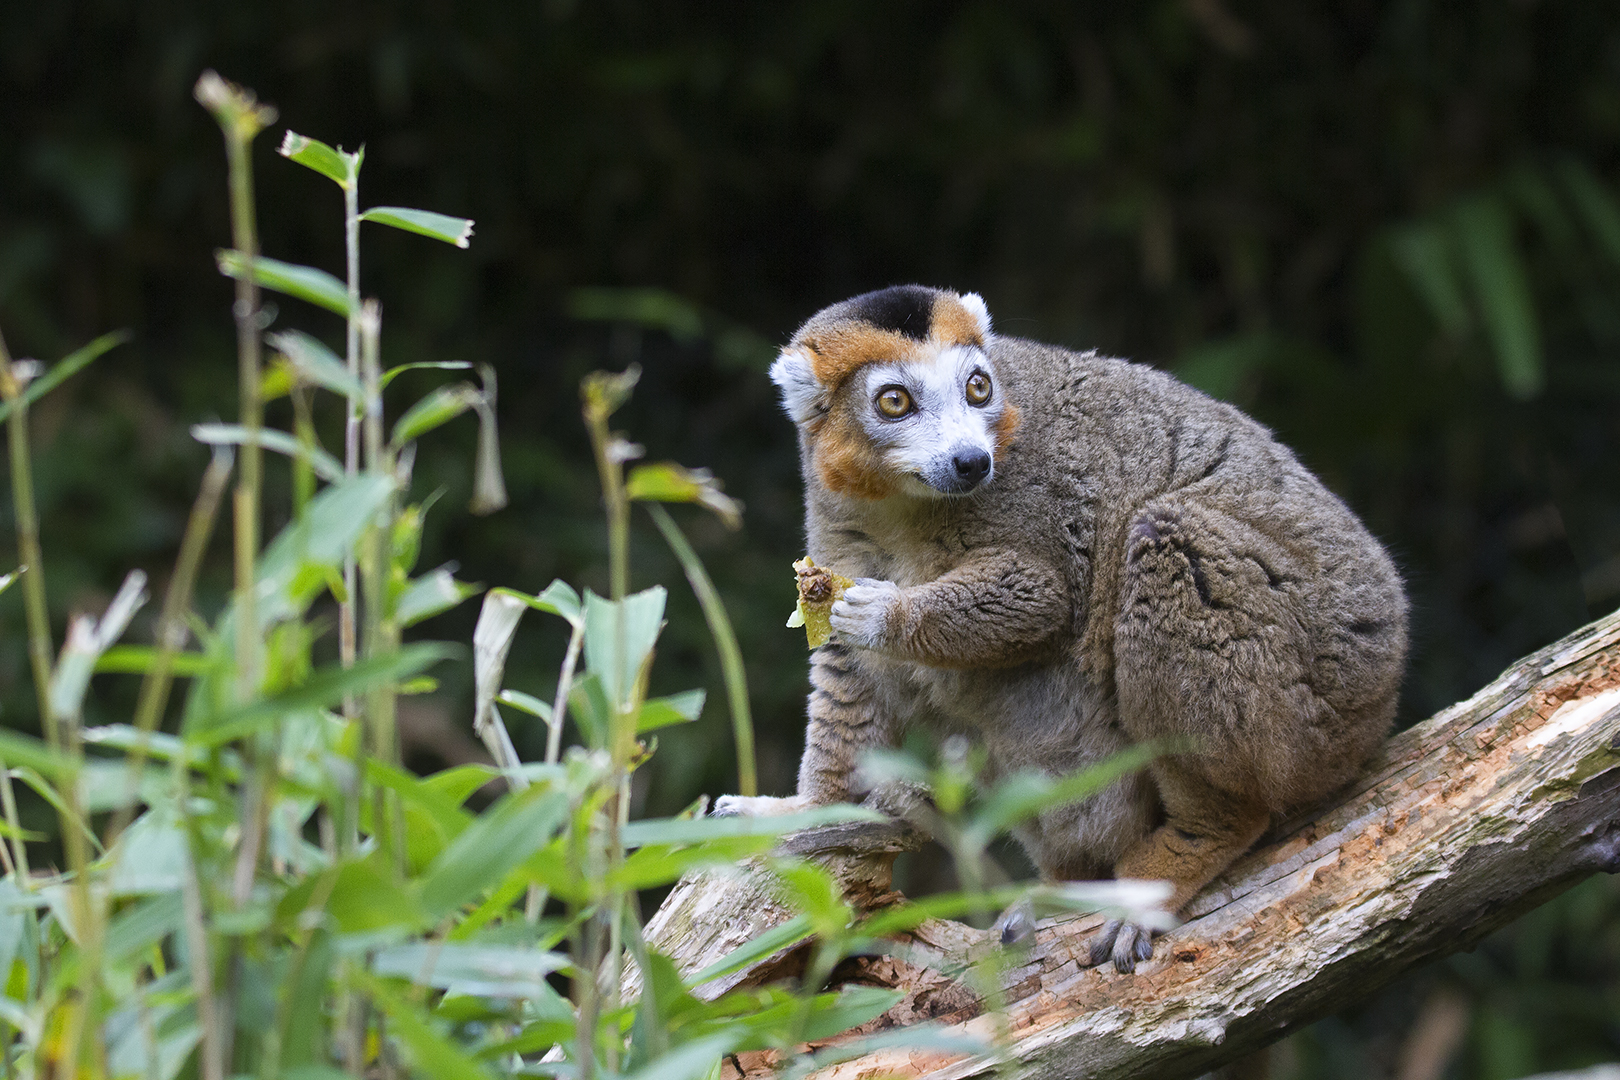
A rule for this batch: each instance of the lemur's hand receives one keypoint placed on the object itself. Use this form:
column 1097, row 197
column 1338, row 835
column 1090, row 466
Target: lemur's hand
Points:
column 864, row 614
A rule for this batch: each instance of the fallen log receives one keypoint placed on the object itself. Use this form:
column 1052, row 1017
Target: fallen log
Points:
column 1468, row 820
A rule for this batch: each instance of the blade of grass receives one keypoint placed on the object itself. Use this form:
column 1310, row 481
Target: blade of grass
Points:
column 12, row 387
column 171, row 627
column 70, row 364
column 725, row 643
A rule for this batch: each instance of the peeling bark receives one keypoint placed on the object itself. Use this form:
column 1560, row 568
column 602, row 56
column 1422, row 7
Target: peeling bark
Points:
column 1468, row 819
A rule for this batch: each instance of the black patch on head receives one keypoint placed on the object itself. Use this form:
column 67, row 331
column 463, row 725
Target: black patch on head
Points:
column 905, row 309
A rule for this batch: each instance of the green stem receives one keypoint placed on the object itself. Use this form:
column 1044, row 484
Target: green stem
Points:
column 725, row 643
column 40, row 648
column 171, row 629
column 84, row 1037
column 381, row 629
column 19, row 848
column 244, row 236
column 302, row 470
column 565, row 684
column 351, row 422
column 33, row 571
column 211, row 1059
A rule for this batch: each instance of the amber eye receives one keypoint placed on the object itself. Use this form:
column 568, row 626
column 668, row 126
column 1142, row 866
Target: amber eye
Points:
column 978, row 388
column 893, row 402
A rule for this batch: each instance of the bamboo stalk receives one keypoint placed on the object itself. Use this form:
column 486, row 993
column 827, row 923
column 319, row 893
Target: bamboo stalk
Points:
column 351, row 420
column 241, row 117
column 171, row 628
column 40, row 649
column 725, row 643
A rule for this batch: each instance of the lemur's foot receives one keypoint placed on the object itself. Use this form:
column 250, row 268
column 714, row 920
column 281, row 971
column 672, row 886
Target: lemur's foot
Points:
column 758, row 805
column 1016, row 925
column 1126, row 943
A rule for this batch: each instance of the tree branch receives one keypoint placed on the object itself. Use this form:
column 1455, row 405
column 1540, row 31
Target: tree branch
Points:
column 1468, row 820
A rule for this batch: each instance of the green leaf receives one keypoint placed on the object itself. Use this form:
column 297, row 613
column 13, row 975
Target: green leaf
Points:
column 850, row 1007
column 332, row 524
column 1596, row 204
column 326, row 466
column 558, row 598
column 437, row 365
column 46, row 791
column 1501, row 285
column 305, row 282
column 652, row 866
column 434, row 800
column 151, row 857
column 1026, row 794
column 676, row 709
column 305, row 993
column 322, row 689
column 503, row 837
column 756, row 949
column 667, row 481
column 364, row 898
column 68, row 365
column 141, row 925
column 489, row 483
column 690, row 1061
column 139, row 659
column 452, row 230
column 687, row 831
column 590, row 709
column 432, row 1053
column 465, row 968
column 428, row 595
column 439, row 407
column 19, row 749
column 814, row 892
column 315, row 363
column 525, row 703
column 655, row 309
column 1424, row 252
column 337, row 166
column 457, row 784
column 643, row 618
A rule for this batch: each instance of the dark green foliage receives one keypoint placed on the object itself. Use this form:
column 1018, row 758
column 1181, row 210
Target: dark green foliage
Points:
column 1385, row 228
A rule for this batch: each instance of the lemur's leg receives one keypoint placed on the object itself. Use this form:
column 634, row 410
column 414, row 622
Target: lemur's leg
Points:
column 1204, row 832
column 847, row 717
column 1212, row 650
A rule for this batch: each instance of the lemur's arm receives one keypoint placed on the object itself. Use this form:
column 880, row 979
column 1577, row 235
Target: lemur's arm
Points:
column 997, row 609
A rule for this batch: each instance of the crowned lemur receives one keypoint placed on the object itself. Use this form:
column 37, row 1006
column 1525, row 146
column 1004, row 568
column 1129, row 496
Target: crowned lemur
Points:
column 1059, row 555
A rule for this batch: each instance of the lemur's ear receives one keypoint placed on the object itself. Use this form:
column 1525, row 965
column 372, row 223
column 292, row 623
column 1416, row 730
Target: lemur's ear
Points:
column 981, row 314
column 801, row 393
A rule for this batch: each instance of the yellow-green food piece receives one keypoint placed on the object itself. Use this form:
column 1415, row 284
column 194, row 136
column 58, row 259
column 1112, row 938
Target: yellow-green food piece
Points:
column 818, row 588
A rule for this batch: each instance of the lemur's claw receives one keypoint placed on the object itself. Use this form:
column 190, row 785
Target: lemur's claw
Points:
column 1126, row 943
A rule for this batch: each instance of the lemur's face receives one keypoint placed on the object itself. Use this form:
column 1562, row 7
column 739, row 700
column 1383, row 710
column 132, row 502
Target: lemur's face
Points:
column 933, row 420
column 896, row 394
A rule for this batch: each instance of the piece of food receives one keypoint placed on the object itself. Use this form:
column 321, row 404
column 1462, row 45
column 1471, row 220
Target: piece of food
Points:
column 818, row 588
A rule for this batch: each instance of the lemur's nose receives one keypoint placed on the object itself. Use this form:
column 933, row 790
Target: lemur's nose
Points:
column 971, row 465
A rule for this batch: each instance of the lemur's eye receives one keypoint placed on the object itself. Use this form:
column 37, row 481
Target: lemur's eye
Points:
column 978, row 388
column 894, row 402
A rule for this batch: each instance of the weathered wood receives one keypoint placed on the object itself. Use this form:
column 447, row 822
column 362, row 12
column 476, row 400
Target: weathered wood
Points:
column 1469, row 819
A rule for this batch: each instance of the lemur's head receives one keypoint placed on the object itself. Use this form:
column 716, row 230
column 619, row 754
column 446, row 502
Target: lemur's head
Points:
column 895, row 393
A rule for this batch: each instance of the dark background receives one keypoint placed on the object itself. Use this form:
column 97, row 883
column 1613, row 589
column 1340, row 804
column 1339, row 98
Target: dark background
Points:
column 1389, row 230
